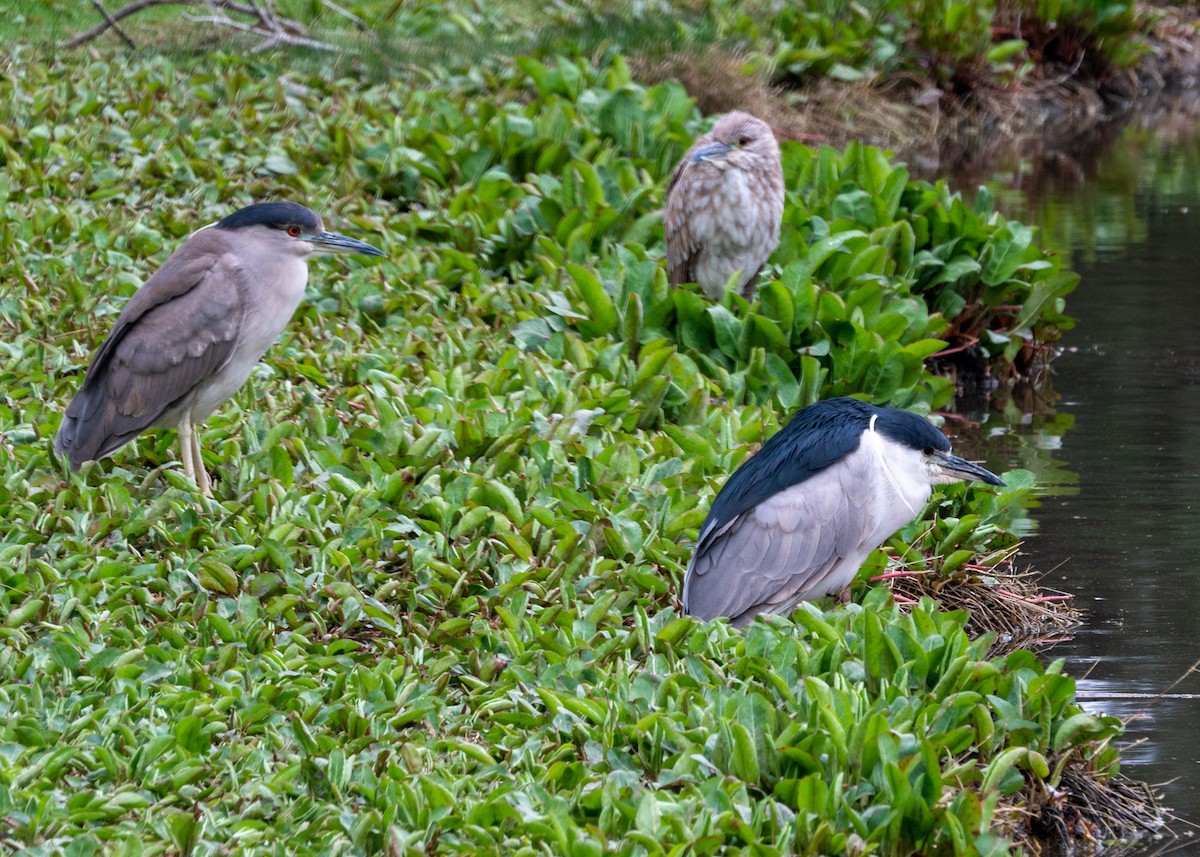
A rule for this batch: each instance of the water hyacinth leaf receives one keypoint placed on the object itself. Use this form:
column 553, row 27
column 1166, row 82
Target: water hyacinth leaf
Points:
column 827, row 171
column 766, row 333
column 777, row 304
column 958, row 269
column 632, row 324
column 745, row 756
column 727, row 330
column 856, row 205
column 189, row 734
column 804, row 296
column 787, row 388
column 885, row 375
column 280, row 162
column 950, row 303
column 812, row 379
column 25, row 613
column 925, row 348
column 1007, row 251
column 216, row 576
column 1044, row 291
column 892, row 191
column 1069, row 731
column 655, row 356
column 1002, row 774
column 820, row 252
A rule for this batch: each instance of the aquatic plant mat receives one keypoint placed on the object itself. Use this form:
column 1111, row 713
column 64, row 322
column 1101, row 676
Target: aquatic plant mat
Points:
column 1003, row 601
column 1085, row 815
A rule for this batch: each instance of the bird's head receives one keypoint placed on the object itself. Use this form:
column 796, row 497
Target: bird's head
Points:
column 293, row 229
column 926, row 450
column 739, row 140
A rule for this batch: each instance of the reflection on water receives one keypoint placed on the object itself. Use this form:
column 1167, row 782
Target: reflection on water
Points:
column 1126, row 539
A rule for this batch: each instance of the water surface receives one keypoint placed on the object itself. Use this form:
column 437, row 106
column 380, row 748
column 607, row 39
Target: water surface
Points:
column 1125, row 539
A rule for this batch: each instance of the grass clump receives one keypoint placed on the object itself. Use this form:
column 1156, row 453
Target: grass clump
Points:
column 432, row 606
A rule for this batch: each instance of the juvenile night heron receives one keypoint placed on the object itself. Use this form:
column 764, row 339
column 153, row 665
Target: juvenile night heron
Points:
column 188, row 338
column 724, row 206
column 797, row 520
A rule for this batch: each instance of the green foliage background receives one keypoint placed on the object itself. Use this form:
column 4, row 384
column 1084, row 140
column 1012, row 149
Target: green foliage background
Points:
column 431, row 608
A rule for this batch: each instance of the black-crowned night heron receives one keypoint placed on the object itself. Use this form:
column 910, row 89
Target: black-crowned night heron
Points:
column 797, row 520
column 724, row 206
column 188, row 338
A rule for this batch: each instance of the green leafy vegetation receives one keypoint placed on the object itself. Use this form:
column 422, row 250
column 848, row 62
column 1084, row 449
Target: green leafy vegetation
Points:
column 961, row 46
column 432, row 607
column 958, row 45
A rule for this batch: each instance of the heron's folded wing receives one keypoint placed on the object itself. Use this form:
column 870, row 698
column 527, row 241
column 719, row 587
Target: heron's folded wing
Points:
column 181, row 331
column 777, row 553
column 685, row 199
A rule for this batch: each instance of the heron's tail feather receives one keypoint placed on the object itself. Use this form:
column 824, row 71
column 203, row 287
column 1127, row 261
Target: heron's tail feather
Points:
column 91, row 428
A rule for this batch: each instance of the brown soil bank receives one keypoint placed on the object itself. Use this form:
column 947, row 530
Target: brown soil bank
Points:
column 1059, row 114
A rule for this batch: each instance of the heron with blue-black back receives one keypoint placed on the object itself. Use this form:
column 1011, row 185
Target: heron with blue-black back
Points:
column 798, row 519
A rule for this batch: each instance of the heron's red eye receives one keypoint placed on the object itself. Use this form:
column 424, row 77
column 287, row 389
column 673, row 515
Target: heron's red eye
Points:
column 294, row 231
column 928, row 450
column 743, row 141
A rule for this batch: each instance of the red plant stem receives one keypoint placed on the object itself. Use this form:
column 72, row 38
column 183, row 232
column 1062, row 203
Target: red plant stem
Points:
column 948, row 351
column 892, row 575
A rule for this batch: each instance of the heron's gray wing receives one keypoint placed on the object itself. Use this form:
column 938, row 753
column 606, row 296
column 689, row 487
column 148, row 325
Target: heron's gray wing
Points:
column 679, row 215
column 783, row 550
column 176, row 331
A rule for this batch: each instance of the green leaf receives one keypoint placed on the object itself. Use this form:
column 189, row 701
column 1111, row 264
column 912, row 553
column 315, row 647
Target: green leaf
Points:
column 601, row 311
column 997, row 772
column 1044, row 291
column 1008, row 48
column 856, row 205
column 745, row 756
column 727, row 329
column 1007, row 251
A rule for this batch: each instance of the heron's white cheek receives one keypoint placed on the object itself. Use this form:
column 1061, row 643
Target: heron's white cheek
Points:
column 901, row 480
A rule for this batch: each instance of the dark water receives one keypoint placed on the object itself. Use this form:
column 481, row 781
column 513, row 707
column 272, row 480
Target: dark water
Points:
column 1122, row 529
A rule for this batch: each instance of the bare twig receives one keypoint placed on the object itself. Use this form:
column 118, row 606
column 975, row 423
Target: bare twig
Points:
column 263, row 22
column 357, row 21
column 112, row 23
column 271, row 36
column 110, row 20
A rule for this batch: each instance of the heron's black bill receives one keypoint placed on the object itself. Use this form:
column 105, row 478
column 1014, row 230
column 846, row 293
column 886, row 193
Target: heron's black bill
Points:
column 332, row 242
column 960, row 468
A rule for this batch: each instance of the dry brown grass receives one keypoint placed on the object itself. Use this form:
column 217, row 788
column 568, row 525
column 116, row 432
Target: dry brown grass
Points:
column 828, row 112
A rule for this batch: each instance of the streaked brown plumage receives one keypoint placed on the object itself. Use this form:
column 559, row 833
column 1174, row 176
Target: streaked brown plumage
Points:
column 189, row 337
column 724, row 206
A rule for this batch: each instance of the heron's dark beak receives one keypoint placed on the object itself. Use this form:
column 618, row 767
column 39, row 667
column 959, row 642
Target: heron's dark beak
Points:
column 711, row 152
column 331, row 242
column 955, row 469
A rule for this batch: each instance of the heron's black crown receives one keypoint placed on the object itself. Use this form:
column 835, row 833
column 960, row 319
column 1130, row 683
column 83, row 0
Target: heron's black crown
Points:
column 278, row 215
column 908, row 428
column 815, row 438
